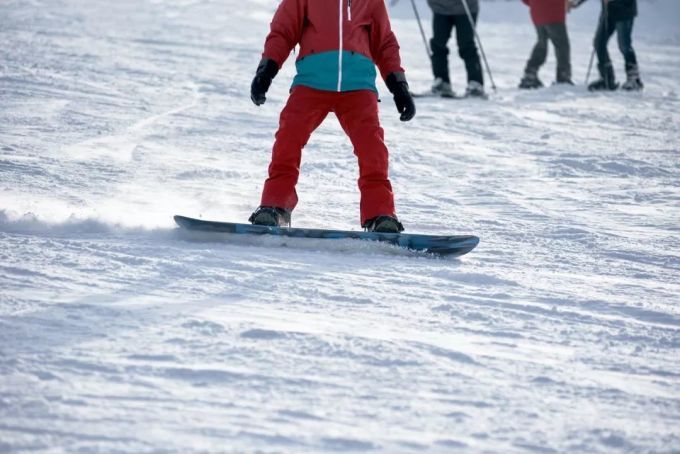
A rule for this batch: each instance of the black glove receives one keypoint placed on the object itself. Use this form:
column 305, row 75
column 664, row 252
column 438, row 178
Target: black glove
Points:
column 264, row 74
column 396, row 83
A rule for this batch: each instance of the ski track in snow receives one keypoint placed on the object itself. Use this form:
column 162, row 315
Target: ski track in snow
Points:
column 560, row 332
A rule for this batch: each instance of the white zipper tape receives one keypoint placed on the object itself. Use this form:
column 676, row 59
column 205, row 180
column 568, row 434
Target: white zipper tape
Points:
column 340, row 2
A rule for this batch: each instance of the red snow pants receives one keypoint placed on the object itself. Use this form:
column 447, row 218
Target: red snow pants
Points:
column 357, row 112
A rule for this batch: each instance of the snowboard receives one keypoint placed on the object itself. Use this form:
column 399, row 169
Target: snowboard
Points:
column 442, row 245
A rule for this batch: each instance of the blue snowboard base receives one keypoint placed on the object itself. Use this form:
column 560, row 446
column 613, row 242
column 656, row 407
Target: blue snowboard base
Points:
column 445, row 245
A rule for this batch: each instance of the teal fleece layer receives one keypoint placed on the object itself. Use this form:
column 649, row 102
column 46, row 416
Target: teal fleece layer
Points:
column 320, row 71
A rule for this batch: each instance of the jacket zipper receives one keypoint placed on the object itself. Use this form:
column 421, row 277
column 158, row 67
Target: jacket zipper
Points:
column 349, row 10
column 340, row 2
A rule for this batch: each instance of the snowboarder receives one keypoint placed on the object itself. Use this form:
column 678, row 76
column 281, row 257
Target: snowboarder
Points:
column 448, row 14
column 550, row 19
column 340, row 42
column 617, row 16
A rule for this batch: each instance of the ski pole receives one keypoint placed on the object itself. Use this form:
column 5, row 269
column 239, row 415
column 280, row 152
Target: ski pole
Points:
column 422, row 32
column 590, row 65
column 479, row 41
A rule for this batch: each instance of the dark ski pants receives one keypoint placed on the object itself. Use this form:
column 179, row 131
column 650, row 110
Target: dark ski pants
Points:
column 442, row 26
column 558, row 36
column 357, row 112
column 624, row 33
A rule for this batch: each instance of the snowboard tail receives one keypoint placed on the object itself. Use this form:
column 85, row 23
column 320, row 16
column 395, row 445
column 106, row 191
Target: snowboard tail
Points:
column 445, row 245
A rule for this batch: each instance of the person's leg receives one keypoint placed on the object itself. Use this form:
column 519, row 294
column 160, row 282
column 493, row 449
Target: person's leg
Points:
column 305, row 110
column 539, row 52
column 560, row 39
column 441, row 32
column 357, row 112
column 605, row 29
column 624, row 33
column 537, row 58
column 602, row 34
column 467, row 47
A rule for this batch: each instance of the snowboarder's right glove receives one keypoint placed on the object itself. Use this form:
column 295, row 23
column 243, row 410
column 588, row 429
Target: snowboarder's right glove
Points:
column 396, row 83
column 264, row 74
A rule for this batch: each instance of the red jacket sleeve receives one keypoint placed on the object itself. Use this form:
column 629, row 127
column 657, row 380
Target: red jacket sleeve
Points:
column 384, row 45
column 285, row 30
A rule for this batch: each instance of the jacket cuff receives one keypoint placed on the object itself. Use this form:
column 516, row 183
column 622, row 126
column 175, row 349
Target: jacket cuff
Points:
column 395, row 80
column 267, row 67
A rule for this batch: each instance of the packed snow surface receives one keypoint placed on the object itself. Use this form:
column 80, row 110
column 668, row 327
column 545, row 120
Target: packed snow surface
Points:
column 560, row 332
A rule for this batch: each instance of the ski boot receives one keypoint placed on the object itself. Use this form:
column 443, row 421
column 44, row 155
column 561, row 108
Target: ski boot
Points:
column 563, row 81
column 270, row 216
column 607, row 80
column 633, row 82
column 383, row 224
column 475, row 90
column 563, row 77
column 633, row 85
column 530, row 81
column 442, row 88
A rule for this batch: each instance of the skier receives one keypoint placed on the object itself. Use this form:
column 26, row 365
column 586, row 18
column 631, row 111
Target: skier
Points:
column 619, row 16
column 340, row 42
column 448, row 14
column 550, row 19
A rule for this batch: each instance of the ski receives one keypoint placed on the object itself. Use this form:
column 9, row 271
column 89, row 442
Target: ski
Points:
column 430, row 95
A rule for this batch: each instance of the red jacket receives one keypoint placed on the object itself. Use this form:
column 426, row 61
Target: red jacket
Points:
column 340, row 41
column 544, row 12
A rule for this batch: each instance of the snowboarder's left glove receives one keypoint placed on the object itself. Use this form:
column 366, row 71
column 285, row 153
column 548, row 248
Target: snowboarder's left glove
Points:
column 264, row 74
column 396, row 83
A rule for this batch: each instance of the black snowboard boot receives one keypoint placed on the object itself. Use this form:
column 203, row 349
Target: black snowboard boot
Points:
column 607, row 80
column 383, row 224
column 633, row 82
column 530, row 81
column 271, row 216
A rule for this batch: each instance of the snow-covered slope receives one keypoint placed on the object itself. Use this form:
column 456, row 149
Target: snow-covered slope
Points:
column 560, row 332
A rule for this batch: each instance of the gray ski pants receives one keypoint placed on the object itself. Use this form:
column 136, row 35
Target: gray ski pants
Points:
column 557, row 34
